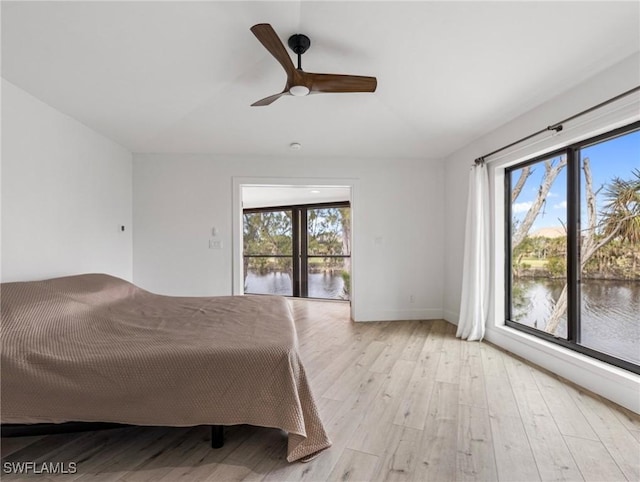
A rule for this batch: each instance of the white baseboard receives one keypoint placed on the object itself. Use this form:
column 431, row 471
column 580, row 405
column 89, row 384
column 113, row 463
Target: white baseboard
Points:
column 613, row 383
column 452, row 316
column 399, row 315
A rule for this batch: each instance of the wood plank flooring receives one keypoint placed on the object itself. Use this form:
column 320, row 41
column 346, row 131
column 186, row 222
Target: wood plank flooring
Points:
column 401, row 401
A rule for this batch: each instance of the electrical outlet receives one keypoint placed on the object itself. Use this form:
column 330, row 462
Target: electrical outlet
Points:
column 215, row 244
column 411, row 299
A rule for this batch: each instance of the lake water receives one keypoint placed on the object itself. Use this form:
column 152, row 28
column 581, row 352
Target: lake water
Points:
column 321, row 285
column 610, row 313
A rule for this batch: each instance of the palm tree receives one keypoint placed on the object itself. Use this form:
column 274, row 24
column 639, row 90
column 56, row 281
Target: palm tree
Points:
column 620, row 219
column 622, row 211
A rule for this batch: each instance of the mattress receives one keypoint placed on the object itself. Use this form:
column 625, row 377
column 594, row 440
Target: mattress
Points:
column 97, row 348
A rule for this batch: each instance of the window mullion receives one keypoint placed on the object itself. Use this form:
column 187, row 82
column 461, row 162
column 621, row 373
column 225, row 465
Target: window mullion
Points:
column 573, row 245
column 304, row 252
column 295, row 230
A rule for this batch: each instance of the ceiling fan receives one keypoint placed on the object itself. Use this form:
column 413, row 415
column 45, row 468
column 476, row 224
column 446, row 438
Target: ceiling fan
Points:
column 299, row 82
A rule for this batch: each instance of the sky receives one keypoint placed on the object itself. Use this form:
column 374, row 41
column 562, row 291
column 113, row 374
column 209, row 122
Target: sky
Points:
column 616, row 157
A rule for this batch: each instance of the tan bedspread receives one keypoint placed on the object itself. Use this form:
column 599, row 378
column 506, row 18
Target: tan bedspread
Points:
column 97, row 348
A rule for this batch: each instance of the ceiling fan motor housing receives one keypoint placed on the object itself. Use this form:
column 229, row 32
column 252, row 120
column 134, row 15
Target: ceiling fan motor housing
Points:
column 299, row 43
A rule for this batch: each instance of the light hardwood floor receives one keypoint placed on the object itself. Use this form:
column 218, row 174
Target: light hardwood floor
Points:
column 401, row 401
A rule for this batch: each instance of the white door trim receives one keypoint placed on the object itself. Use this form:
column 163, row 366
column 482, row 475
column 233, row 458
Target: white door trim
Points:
column 237, row 278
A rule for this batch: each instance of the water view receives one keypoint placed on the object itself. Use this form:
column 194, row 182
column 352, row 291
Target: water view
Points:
column 609, row 316
column 606, row 257
column 321, row 285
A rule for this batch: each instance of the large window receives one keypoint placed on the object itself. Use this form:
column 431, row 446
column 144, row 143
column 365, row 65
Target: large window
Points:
column 573, row 264
column 302, row 251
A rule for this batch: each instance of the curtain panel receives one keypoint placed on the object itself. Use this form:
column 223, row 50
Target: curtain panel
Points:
column 474, row 304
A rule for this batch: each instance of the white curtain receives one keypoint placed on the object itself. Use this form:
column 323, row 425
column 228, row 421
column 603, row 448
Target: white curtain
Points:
column 474, row 305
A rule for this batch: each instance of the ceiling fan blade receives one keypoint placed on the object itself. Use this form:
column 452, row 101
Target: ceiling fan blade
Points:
column 269, row 100
column 340, row 83
column 269, row 38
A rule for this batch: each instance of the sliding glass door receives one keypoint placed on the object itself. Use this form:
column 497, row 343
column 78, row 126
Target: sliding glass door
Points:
column 302, row 251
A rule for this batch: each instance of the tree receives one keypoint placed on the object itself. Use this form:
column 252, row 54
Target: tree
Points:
column 267, row 233
column 523, row 249
column 622, row 211
column 620, row 219
column 517, row 189
column 552, row 168
column 345, row 221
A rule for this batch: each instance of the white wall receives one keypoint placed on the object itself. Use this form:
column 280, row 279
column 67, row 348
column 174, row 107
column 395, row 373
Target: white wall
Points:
column 65, row 192
column 617, row 385
column 179, row 198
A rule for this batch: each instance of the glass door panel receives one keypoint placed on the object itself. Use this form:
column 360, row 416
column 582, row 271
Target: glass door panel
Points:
column 268, row 252
column 328, row 261
column 328, row 278
column 328, row 231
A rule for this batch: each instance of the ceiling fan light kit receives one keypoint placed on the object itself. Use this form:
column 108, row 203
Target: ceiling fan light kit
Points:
column 299, row 90
column 301, row 83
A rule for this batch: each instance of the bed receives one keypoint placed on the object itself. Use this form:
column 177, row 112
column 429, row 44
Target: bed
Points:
column 95, row 348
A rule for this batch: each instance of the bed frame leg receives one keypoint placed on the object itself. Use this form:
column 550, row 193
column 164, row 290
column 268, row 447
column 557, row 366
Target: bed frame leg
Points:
column 217, row 436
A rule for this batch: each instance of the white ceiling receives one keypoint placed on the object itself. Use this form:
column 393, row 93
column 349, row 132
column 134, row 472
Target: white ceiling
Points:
column 267, row 196
column 180, row 76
